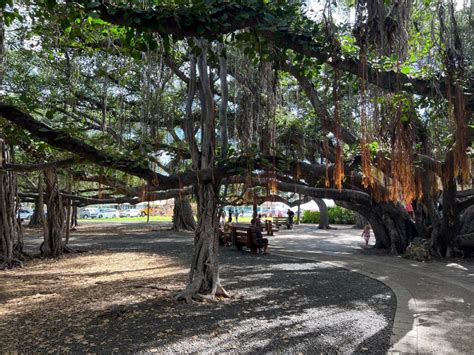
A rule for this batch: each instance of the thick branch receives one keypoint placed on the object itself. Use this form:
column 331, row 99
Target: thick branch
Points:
column 327, row 121
column 64, row 141
column 42, row 166
column 166, row 20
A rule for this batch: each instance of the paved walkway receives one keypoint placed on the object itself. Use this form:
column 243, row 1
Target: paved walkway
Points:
column 435, row 300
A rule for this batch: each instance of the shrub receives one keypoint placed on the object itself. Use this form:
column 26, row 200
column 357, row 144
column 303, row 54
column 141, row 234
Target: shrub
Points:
column 310, row 217
column 340, row 215
column 337, row 215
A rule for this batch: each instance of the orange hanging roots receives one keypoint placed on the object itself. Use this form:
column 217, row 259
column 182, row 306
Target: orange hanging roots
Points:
column 248, row 196
column 364, row 147
column 326, row 154
column 461, row 159
column 339, row 160
column 402, row 176
column 273, row 186
column 338, row 167
column 367, row 179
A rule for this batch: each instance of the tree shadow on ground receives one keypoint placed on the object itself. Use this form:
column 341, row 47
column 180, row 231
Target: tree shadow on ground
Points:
column 277, row 305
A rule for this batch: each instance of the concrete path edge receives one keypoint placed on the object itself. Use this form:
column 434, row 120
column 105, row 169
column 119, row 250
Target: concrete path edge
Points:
column 404, row 337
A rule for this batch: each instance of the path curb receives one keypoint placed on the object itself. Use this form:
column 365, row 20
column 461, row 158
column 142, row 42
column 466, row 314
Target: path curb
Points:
column 404, row 338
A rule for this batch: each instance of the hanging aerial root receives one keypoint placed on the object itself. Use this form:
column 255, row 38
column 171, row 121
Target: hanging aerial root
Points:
column 188, row 295
column 221, row 292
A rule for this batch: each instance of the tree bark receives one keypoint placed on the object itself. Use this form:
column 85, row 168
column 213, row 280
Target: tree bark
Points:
column 204, row 280
column 183, row 218
column 74, row 217
column 361, row 221
column 37, row 219
column 68, row 213
column 224, row 101
column 442, row 242
column 10, row 229
column 53, row 244
column 392, row 226
column 323, row 214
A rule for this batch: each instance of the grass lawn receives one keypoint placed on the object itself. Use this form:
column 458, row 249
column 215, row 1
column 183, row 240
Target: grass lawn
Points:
column 128, row 219
column 245, row 219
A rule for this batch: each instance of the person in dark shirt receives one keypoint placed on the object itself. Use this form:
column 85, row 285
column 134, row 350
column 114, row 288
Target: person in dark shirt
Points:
column 258, row 222
column 291, row 215
column 230, row 216
column 262, row 243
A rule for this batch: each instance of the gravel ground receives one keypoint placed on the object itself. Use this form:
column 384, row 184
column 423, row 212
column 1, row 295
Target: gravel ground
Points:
column 278, row 305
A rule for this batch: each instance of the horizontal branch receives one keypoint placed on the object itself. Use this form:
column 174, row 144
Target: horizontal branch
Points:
column 327, row 121
column 165, row 20
column 462, row 205
column 64, row 141
column 41, row 166
column 348, row 195
column 84, row 201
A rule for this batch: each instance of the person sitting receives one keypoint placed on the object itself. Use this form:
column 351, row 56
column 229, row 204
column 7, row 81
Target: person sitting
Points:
column 262, row 243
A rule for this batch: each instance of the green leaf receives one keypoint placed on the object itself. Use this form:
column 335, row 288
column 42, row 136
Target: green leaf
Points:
column 200, row 30
column 50, row 114
column 407, row 70
column 50, row 4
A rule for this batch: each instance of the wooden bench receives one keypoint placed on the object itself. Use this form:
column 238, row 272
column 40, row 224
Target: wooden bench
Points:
column 270, row 227
column 279, row 221
column 243, row 235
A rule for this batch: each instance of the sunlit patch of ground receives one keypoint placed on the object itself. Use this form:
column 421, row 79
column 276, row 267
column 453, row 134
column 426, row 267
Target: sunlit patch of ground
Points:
column 66, row 294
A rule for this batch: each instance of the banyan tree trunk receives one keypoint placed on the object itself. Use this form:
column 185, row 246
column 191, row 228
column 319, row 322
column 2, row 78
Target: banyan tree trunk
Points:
column 10, row 229
column 204, row 280
column 361, row 221
column 37, row 219
column 74, row 217
column 53, row 243
column 67, row 227
column 254, row 209
column 391, row 225
column 323, row 214
column 450, row 220
column 183, row 218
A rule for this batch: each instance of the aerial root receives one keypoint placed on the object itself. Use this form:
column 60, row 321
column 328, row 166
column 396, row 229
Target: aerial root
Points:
column 221, row 292
column 68, row 250
column 185, row 296
column 10, row 264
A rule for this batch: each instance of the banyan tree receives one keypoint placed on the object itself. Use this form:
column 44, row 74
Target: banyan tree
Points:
column 243, row 102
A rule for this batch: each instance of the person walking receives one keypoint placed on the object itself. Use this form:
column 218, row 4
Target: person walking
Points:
column 366, row 234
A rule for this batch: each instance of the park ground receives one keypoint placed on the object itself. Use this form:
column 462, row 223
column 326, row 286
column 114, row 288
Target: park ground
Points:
column 312, row 294
column 118, row 297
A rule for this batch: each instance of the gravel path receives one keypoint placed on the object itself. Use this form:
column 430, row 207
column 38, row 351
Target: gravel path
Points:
column 278, row 304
